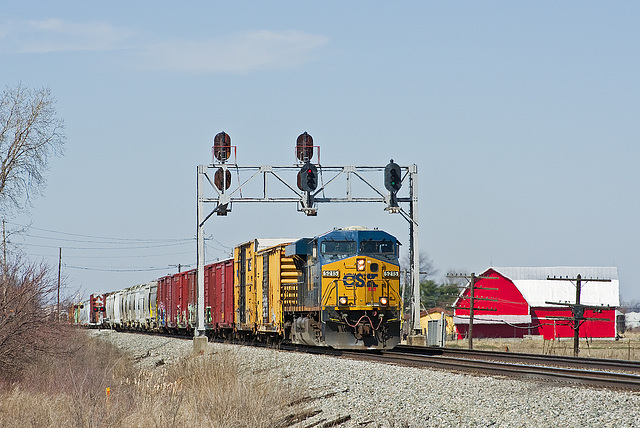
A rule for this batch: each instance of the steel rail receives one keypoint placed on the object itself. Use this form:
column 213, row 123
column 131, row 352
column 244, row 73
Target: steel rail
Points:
column 541, row 359
column 614, row 380
column 511, row 365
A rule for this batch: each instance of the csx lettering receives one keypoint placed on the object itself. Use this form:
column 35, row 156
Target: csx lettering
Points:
column 351, row 279
column 358, row 280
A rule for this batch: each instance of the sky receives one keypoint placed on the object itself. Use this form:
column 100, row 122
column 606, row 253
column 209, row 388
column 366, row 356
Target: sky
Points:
column 521, row 117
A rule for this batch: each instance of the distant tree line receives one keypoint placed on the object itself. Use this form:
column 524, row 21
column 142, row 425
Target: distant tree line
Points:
column 629, row 305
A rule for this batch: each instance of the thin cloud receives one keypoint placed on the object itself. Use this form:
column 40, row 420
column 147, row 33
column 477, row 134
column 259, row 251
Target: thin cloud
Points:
column 55, row 35
column 237, row 53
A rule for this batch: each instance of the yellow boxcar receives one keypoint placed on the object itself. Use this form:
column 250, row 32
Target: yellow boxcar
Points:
column 278, row 277
column 248, row 288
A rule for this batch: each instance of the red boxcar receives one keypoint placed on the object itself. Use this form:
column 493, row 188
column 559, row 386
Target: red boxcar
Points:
column 164, row 301
column 177, row 298
column 187, row 299
column 218, row 295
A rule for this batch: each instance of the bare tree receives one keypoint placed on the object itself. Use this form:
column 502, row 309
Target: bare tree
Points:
column 427, row 270
column 29, row 134
column 27, row 316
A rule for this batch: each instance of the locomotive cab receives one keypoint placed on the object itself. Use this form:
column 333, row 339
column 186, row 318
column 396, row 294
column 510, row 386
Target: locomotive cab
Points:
column 348, row 290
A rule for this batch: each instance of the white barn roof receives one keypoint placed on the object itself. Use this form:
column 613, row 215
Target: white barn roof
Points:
column 532, row 282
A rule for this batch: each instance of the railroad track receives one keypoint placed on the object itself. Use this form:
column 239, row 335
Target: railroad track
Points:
column 524, row 366
column 616, row 374
column 535, row 359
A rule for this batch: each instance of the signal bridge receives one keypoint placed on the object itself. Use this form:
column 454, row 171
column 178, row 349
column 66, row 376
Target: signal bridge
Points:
column 254, row 184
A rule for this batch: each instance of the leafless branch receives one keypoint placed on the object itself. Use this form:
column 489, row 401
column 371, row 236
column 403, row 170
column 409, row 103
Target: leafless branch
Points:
column 29, row 134
column 27, row 324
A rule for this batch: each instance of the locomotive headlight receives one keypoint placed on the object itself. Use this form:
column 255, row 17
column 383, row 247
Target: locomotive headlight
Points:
column 384, row 301
column 360, row 264
column 343, row 301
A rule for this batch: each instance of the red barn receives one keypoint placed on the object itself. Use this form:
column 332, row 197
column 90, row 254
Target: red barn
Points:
column 515, row 303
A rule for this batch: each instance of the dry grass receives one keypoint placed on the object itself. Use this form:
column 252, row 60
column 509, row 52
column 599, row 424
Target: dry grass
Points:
column 209, row 390
column 67, row 388
column 626, row 348
column 70, row 390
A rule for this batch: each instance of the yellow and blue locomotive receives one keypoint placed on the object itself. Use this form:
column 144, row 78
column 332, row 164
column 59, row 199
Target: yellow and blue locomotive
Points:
column 348, row 291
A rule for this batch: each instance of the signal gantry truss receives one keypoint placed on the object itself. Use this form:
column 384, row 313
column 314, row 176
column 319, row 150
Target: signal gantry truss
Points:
column 279, row 184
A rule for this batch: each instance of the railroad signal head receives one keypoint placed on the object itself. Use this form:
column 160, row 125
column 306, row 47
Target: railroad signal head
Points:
column 392, row 180
column 308, row 177
column 222, row 179
column 312, row 177
column 304, row 147
column 222, row 146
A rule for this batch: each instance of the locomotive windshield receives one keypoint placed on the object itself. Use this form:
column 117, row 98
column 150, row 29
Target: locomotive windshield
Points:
column 338, row 249
column 384, row 248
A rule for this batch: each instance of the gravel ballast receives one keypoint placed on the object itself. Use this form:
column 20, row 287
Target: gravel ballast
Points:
column 364, row 394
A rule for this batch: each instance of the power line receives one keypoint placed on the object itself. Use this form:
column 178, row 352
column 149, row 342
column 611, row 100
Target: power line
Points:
column 119, row 244
column 112, row 269
column 101, row 237
column 107, row 248
column 211, row 238
column 220, row 250
column 113, row 257
column 113, row 240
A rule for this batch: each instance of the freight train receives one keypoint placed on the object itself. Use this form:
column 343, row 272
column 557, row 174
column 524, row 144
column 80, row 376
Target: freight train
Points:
column 340, row 289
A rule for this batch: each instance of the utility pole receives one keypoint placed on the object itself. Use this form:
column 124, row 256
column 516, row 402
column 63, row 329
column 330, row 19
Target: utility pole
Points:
column 4, row 247
column 179, row 266
column 59, row 270
column 472, row 298
column 578, row 308
column 4, row 264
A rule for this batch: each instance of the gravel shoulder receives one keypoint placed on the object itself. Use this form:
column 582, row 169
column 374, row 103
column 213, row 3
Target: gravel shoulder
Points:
column 365, row 394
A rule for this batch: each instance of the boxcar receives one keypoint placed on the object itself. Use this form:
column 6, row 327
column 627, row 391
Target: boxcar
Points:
column 247, row 279
column 278, row 277
column 218, row 297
